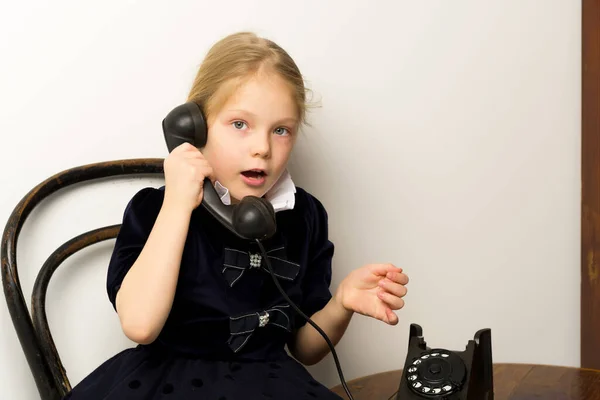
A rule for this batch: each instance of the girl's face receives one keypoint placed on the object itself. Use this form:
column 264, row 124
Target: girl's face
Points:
column 251, row 137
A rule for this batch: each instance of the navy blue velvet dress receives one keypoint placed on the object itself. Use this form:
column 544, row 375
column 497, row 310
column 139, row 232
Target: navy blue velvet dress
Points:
column 226, row 334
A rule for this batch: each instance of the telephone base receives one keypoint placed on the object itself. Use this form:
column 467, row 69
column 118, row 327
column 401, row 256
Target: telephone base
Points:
column 445, row 374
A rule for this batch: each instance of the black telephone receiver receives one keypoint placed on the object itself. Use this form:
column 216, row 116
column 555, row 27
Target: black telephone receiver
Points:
column 253, row 217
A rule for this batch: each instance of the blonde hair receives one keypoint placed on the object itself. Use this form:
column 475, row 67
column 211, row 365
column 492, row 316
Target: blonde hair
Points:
column 236, row 58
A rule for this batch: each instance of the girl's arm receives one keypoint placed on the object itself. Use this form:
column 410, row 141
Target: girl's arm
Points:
column 308, row 346
column 374, row 290
column 144, row 300
column 146, row 294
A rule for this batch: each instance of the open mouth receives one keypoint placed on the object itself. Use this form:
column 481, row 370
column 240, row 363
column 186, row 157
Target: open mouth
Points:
column 254, row 174
column 254, row 177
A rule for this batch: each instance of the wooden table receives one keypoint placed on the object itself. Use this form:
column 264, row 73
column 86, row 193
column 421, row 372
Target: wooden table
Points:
column 511, row 382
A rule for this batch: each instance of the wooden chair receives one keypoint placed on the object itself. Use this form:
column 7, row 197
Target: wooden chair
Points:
column 32, row 328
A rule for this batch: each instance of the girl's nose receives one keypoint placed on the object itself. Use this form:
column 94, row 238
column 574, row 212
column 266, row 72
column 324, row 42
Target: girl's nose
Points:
column 261, row 145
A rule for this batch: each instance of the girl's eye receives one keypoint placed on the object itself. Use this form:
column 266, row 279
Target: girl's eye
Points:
column 281, row 131
column 239, row 125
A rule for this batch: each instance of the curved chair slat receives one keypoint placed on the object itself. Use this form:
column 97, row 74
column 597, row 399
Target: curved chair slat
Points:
column 31, row 343
column 38, row 298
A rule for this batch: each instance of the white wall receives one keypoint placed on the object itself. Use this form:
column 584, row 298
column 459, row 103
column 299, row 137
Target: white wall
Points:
column 448, row 144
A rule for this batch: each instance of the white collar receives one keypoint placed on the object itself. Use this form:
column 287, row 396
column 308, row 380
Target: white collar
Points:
column 281, row 195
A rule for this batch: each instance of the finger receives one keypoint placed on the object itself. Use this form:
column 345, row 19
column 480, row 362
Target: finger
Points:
column 200, row 164
column 392, row 287
column 394, row 302
column 398, row 277
column 392, row 318
column 193, row 153
column 383, row 269
column 183, row 147
column 388, row 316
column 200, row 169
column 206, row 171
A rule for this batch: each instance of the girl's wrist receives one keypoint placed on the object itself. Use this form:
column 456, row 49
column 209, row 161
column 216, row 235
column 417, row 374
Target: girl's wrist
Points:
column 175, row 209
column 338, row 303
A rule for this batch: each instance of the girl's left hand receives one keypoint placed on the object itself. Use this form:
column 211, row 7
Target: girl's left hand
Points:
column 374, row 290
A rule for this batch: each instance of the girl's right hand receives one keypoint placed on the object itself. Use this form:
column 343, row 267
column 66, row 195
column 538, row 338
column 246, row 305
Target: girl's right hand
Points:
column 185, row 170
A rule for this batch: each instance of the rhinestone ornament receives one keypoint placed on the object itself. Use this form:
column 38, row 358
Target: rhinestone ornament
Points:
column 255, row 260
column 263, row 319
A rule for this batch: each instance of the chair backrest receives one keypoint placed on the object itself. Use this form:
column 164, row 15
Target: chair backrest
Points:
column 32, row 329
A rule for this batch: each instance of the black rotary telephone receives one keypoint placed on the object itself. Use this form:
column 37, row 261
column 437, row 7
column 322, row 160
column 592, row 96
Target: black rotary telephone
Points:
column 253, row 217
column 450, row 375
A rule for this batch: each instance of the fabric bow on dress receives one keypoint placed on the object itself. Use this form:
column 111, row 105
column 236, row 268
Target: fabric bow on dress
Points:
column 236, row 262
column 242, row 327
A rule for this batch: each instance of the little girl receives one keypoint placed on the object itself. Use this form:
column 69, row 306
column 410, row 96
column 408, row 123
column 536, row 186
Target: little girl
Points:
column 192, row 294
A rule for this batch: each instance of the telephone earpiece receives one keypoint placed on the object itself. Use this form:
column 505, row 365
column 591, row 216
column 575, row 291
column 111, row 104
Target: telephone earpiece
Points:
column 253, row 217
column 185, row 123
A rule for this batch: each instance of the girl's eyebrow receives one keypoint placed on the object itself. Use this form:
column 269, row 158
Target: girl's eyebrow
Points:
column 290, row 120
column 251, row 114
column 239, row 110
